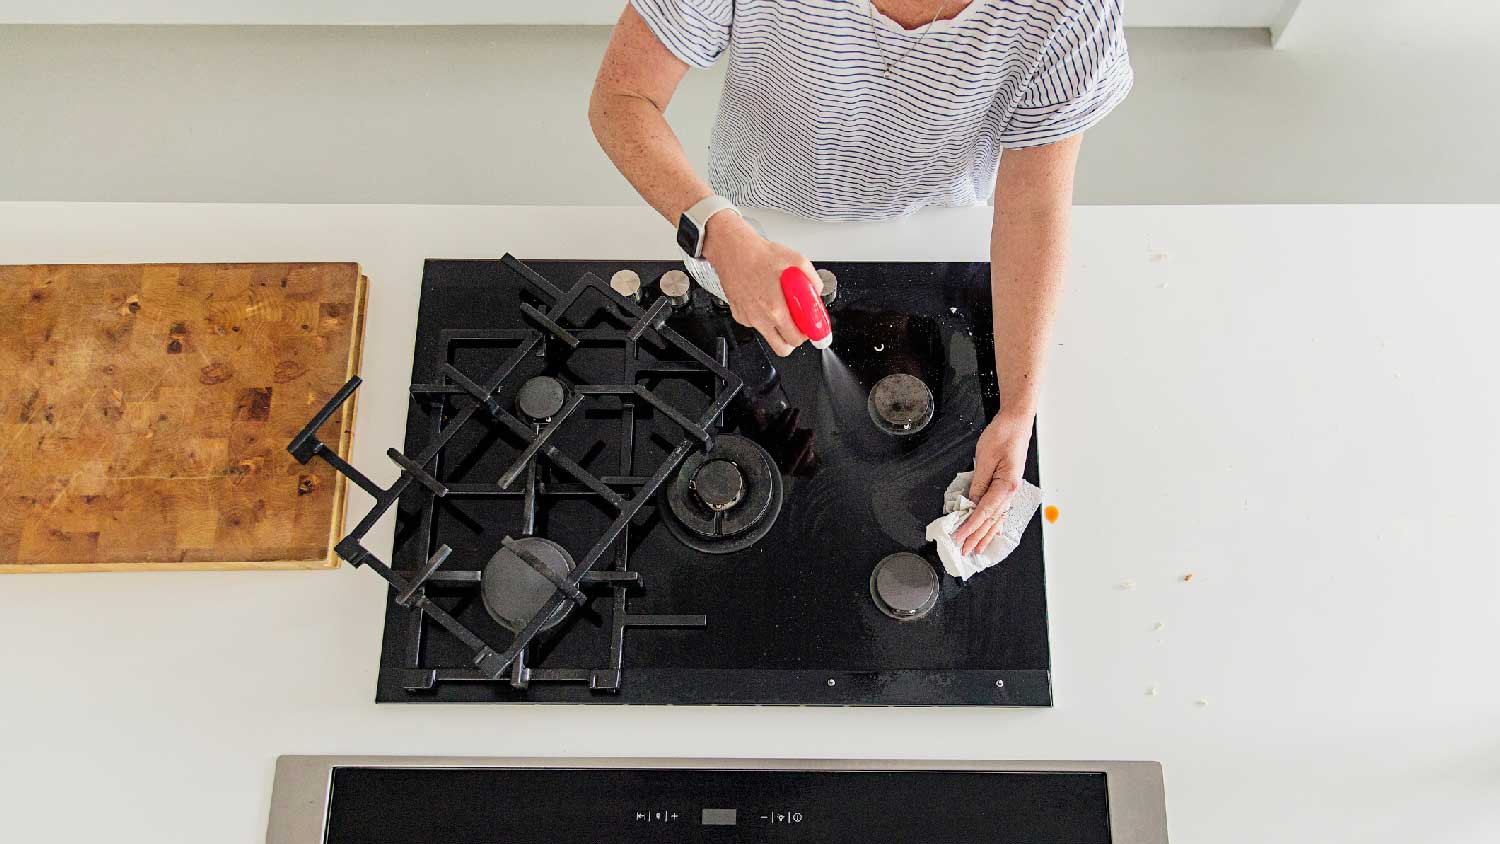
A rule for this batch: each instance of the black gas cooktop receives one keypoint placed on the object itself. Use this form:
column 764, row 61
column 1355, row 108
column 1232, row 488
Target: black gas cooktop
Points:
column 611, row 493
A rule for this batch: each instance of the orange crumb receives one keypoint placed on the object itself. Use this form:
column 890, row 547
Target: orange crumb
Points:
column 1050, row 513
column 1187, row 578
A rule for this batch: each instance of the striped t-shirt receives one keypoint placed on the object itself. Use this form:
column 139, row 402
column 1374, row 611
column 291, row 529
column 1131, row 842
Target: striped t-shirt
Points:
column 810, row 122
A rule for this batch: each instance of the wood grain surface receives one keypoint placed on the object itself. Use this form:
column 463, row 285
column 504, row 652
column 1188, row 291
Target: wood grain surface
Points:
column 145, row 411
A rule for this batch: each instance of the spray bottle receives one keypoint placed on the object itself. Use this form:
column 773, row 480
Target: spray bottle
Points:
column 806, row 306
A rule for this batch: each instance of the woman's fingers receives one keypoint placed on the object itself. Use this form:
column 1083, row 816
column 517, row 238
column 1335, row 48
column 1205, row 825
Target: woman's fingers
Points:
column 977, row 488
column 980, row 482
column 976, row 540
column 983, row 529
column 987, row 513
column 781, row 334
column 778, row 344
column 982, row 537
column 790, row 332
column 989, row 537
column 973, row 523
column 812, row 273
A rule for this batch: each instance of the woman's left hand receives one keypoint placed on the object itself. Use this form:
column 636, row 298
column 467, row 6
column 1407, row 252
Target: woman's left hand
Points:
column 999, row 460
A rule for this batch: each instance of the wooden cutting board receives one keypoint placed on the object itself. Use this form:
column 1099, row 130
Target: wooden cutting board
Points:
column 145, row 411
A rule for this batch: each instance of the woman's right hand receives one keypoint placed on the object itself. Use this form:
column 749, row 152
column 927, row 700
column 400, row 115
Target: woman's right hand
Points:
column 749, row 267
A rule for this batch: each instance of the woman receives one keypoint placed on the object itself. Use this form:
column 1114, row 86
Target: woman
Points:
column 861, row 110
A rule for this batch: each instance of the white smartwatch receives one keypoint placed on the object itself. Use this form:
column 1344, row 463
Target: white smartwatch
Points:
column 694, row 223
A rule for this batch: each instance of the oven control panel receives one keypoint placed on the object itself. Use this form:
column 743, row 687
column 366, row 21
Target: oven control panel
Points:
column 588, row 805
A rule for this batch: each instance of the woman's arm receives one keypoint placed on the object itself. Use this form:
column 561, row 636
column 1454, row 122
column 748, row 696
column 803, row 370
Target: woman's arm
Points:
column 626, row 111
column 1028, row 257
column 635, row 83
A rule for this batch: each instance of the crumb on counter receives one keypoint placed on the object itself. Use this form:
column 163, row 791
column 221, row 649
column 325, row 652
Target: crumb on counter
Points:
column 1050, row 513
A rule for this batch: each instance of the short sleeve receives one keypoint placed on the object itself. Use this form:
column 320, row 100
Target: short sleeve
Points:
column 1083, row 74
column 696, row 31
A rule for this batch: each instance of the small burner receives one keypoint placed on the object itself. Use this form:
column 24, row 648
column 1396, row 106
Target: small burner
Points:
column 514, row 591
column 904, row 586
column 901, row 404
column 540, row 398
column 723, row 501
column 718, row 484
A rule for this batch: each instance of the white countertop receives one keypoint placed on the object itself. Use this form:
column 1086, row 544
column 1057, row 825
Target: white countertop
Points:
column 1296, row 404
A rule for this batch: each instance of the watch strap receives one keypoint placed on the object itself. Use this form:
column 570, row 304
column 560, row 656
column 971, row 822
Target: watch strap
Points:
column 699, row 215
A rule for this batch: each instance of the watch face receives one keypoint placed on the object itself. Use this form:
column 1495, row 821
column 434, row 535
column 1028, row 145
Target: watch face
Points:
column 688, row 236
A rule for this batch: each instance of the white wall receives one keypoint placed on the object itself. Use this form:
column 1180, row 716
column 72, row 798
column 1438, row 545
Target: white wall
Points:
column 496, row 115
column 437, row 12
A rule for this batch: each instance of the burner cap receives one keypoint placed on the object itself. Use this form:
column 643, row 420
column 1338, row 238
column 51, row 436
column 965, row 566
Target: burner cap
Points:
column 723, row 501
column 904, row 586
column 514, row 592
column 901, row 404
column 718, row 484
column 540, row 398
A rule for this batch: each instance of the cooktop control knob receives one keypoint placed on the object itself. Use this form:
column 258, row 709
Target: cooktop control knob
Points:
column 830, row 286
column 676, row 286
column 627, row 283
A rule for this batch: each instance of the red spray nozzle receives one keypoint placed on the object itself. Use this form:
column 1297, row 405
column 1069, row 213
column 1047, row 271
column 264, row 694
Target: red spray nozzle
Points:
column 806, row 306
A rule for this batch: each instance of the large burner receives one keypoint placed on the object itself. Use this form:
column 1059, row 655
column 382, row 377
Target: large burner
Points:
column 723, row 501
column 901, row 404
column 513, row 586
column 904, row 586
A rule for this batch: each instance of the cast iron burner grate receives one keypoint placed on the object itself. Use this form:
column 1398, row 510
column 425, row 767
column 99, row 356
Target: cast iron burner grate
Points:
column 552, row 333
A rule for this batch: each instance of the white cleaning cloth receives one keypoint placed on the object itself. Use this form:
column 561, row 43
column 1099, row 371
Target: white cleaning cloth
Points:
column 957, row 507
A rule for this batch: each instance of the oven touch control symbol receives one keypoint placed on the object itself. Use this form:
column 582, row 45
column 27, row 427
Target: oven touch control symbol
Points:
column 663, row 816
column 781, row 817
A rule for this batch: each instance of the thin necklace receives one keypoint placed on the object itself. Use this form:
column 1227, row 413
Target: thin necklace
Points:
column 880, row 40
